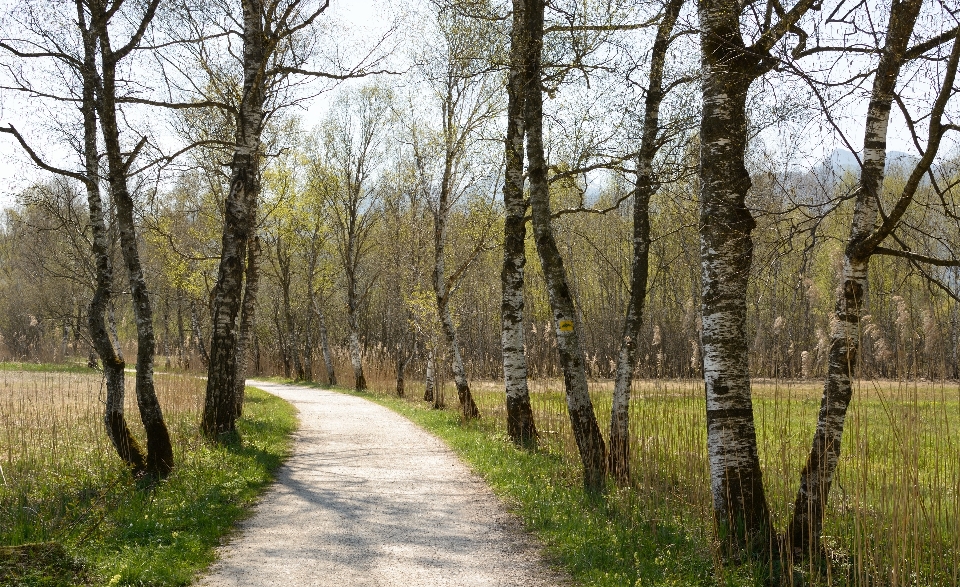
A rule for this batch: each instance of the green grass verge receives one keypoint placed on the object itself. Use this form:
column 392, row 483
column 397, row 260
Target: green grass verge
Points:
column 119, row 531
column 47, row 367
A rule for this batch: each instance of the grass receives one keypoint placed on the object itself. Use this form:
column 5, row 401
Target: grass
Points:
column 46, row 367
column 611, row 541
column 893, row 516
column 64, row 491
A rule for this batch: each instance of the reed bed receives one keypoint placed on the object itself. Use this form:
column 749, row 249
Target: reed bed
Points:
column 894, row 511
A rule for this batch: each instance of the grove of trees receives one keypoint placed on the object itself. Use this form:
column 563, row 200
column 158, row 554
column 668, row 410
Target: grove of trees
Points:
column 492, row 190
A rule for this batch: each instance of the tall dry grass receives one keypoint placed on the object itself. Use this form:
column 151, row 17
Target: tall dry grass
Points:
column 54, row 451
column 894, row 512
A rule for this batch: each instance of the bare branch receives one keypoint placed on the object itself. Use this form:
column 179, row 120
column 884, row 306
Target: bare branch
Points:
column 904, row 254
column 40, row 162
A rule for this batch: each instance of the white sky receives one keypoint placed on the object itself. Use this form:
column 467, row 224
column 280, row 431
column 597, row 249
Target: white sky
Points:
column 363, row 17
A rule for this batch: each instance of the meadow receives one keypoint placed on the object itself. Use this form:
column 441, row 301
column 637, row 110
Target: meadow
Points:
column 894, row 515
column 70, row 513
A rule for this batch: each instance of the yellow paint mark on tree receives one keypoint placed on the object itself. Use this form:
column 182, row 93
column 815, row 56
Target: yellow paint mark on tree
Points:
column 566, row 326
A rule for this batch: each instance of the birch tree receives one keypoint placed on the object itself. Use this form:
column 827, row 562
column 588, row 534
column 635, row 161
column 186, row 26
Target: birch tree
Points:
column 274, row 51
column 729, row 67
column 651, row 138
column 98, row 95
column 583, row 419
column 353, row 140
column 450, row 168
column 159, row 447
column 874, row 223
column 523, row 51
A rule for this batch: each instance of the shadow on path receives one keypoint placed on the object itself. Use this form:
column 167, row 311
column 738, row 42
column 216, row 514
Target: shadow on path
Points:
column 368, row 498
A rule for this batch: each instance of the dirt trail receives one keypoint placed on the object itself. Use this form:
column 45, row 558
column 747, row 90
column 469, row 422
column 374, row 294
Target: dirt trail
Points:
column 368, row 498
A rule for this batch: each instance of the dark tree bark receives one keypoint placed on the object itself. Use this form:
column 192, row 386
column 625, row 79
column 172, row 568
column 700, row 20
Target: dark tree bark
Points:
column 619, row 458
column 520, row 424
column 219, row 410
column 247, row 319
column 325, row 346
column 113, row 364
column 729, row 67
column 583, row 420
column 159, row 447
column 816, row 478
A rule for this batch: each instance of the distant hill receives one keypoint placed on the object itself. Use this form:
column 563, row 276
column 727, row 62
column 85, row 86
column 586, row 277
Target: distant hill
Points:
column 842, row 162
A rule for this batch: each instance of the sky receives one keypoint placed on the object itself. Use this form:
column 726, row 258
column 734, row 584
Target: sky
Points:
column 363, row 17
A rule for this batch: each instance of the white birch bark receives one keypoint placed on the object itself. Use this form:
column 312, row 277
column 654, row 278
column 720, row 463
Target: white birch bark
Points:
column 619, row 457
column 741, row 516
column 219, row 411
column 520, row 424
column 866, row 234
column 114, row 417
column 159, row 447
column 579, row 405
column 247, row 320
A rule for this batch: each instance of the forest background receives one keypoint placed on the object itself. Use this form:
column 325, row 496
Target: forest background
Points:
column 381, row 223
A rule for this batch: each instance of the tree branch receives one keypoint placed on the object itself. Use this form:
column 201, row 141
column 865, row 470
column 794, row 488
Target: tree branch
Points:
column 904, row 254
column 40, row 162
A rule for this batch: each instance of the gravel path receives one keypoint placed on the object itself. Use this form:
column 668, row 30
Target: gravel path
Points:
column 368, row 498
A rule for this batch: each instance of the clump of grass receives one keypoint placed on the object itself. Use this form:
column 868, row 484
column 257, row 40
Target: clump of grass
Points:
column 63, row 484
column 46, row 564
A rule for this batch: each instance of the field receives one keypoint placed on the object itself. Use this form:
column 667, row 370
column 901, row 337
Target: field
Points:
column 63, row 490
column 894, row 516
column 894, row 511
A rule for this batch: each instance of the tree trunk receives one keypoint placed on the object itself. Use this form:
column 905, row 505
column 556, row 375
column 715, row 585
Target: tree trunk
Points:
column 198, row 335
column 290, row 338
column 954, row 368
column 438, row 400
column 307, row 353
column 356, row 354
column 219, row 410
column 159, row 447
column 401, row 367
column 325, row 347
column 113, row 365
column 729, row 67
column 619, row 460
column 806, row 526
column 467, row 406
column 247, row 320
column 520, row 424
column 64, row 338
column 441, row 287
column 583, row 420
column 181, row 332
column 165, row 345
column 308, row 327
column 429, row 389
